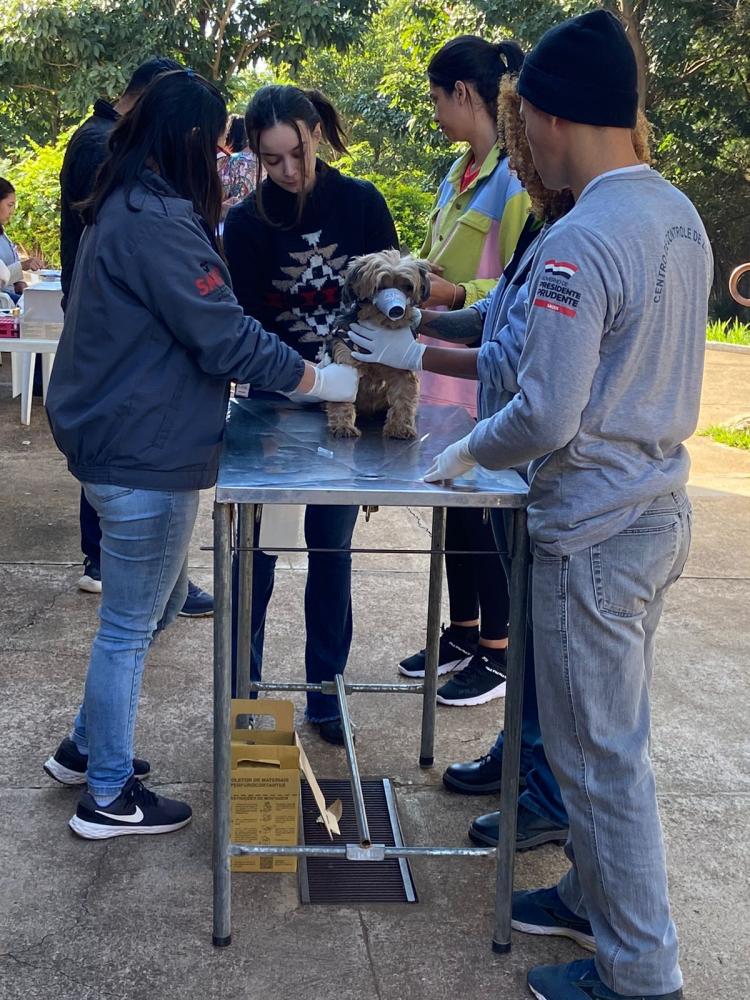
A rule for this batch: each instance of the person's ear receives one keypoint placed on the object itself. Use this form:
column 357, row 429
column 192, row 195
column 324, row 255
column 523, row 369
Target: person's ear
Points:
column 461, row 92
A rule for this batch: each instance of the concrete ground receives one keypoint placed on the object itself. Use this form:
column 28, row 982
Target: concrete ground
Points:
column 131, row 917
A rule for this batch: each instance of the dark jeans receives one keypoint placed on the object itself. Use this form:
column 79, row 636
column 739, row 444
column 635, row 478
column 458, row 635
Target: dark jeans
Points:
column 542, row 792
column 477, row 585
column 328, row 604
column 91, row 533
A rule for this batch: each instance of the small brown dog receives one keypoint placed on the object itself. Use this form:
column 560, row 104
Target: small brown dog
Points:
column 383, row 288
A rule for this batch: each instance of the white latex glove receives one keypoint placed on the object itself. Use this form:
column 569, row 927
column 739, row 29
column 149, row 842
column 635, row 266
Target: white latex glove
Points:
column 335, row 383
column 455, row 461
column 395, row 348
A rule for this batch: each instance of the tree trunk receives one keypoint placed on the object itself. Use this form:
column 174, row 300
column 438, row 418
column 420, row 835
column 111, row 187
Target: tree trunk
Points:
column 630, row 10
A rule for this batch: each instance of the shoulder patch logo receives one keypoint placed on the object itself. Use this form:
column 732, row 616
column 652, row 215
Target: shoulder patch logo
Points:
column 560, row 268
column 210, row 282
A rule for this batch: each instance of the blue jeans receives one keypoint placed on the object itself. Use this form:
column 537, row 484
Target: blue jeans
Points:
column 541, row 795
column 145, row 539
column 328, row 604
column 596, row 613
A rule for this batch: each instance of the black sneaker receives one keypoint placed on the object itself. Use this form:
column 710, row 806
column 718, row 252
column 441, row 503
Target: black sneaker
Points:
column 198, row 603
column 454, row 652
column 481, row 680
column 135, row 810
column 68, row 765
column 91, row 581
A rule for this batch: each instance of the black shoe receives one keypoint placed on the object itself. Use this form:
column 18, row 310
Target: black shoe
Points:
column 482, row 680
column 68, row 765
column 91, row 580
column 135, row 810
column 332, row 732
column 198, row 603
column 531, row 830
column 480, row 777
column 454, row 652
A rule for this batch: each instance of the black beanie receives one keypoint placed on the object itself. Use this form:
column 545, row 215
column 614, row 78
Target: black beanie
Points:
column 584, row 70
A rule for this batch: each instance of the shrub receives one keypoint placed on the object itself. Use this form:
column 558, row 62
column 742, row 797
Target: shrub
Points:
column 728, row 332
column 34, row 173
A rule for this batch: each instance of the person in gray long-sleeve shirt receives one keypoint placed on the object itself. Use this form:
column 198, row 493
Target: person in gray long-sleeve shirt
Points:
column 608, row 389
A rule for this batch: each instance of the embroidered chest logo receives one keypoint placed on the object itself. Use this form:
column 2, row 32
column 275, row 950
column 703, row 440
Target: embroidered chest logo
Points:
column 310, row 300
column 553, row 291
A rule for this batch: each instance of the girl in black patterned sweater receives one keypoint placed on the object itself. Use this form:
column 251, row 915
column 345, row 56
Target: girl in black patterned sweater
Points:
column 288, row 245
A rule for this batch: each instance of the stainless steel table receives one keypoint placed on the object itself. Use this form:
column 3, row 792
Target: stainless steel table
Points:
column 279, row 452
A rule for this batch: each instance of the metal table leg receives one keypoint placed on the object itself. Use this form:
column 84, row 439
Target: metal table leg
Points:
column 222, row 926
column 245, row 532
column 351, row 757
column 427, row 749
column 506, row 845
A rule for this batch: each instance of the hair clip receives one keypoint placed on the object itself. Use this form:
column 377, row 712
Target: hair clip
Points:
column 190, row 73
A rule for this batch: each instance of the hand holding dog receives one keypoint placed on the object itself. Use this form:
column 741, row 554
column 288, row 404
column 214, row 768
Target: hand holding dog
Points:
column 456, row 460
column 334, row 383
column 443, row 292
column 394, row 348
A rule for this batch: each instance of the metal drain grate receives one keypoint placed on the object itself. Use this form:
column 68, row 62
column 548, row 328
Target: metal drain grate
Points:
column 336, row 880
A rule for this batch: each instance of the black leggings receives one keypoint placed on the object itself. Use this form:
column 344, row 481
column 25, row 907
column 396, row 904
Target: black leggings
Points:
column 477, row 585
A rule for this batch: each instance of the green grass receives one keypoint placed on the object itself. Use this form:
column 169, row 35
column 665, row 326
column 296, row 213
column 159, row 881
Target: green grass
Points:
column 722, row 435
column 729, row 332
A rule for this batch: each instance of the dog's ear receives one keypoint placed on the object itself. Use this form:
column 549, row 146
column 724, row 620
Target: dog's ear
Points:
column 424, row 280
column 349, row 295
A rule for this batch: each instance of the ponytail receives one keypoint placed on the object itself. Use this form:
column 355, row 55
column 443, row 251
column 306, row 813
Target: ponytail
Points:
column 510, row 55
column 330, row 123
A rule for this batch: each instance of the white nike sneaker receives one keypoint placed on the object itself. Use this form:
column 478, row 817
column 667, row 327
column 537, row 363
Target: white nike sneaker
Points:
column 135, row 810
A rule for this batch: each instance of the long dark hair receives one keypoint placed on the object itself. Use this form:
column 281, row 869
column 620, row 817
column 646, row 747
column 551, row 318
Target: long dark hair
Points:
column 478, row 62
column 287, row 105
column 173, row 130
column 236, row 136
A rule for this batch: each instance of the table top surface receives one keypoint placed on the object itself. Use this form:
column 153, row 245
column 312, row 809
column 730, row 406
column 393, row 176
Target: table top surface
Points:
column 276, row 451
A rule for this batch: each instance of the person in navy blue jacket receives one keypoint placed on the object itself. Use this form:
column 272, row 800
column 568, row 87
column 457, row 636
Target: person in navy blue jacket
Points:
column 137, row 404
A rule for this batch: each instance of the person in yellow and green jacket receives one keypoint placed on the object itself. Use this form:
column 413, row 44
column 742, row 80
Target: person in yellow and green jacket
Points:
column 480, row 212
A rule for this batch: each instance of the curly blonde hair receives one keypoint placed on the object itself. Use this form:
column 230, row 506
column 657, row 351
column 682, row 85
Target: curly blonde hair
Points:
column 546, row 205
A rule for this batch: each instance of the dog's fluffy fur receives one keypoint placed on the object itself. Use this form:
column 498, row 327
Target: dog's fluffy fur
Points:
column 381, row 389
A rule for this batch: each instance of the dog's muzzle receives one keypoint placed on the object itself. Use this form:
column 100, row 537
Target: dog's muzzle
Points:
column 391, row 302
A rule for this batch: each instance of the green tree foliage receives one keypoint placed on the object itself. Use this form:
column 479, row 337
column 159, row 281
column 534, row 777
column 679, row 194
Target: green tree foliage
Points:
column 57, row 56
column 35, row 175
column 370, row 58
column 695, row 73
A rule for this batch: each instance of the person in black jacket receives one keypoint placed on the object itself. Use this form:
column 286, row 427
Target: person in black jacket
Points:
column 137, row 404
column 86, row 152
column 288, row 245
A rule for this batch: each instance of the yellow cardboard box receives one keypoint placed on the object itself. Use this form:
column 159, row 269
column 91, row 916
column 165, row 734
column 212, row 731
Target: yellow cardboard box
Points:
column 265, row 785
column 265, row 807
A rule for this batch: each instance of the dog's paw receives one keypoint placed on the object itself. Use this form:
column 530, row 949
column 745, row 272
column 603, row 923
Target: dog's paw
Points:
column 399, row 431
column 345, row 431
